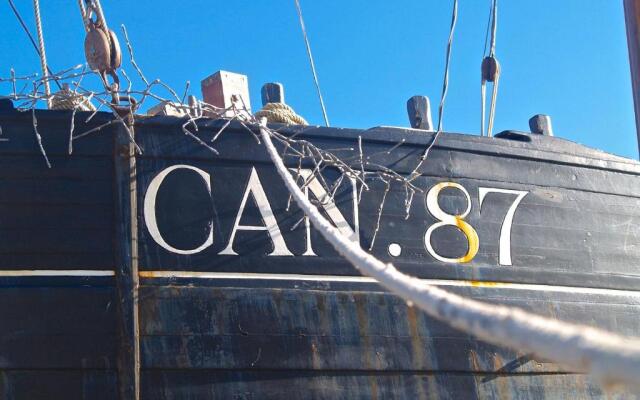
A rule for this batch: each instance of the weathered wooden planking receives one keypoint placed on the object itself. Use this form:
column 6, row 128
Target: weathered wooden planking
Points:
column 126, row 265
column 54, row 128
column 187, row 327
column 208, row 384
column 59, row 217
column 574, row 227
column 269, row 339
column 57, row 260
column 84, row 215
column 57, row 327
column 34, row 384
column 348, row 385
column 496, row 164
column 168, row 139
column 246, row 320
column 47, row 240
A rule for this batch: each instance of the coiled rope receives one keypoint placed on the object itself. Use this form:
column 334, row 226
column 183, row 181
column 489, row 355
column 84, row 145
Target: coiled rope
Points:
column 67, row 99
column 609, row 357
column 280, row 112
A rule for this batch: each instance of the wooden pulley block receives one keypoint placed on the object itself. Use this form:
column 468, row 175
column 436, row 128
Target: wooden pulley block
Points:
column 116, row 54
column 490, row 69
column 102, row 50
column 97, row 50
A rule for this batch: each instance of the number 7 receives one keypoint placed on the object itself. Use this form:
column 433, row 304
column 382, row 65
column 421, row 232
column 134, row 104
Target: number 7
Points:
column 505, row 230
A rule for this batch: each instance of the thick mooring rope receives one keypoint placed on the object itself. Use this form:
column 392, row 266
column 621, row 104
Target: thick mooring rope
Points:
column 609, row 357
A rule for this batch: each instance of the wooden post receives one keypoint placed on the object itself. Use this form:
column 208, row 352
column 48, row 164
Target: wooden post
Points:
column 632, row 21
column 272, row 93
column 224, row 89
column 419, row 111
column 126, row 259
column 541, row 124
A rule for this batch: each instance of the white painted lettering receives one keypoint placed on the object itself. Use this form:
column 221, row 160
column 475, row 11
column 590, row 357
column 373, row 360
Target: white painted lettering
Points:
column 505, row 230
column 254, row 187
column 329, row 206
column 150, row 209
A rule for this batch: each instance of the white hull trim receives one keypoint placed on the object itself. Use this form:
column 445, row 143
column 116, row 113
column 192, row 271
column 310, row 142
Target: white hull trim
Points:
column 363, row 279
column 313, row 278
column 55, row 272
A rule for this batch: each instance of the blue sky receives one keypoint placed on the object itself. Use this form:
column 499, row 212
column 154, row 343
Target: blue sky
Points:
column 564, row 58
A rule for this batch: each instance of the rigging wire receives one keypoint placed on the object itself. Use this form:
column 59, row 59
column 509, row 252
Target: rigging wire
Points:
column 30, row 36
column 445, row 84
column 486, row 35
column 42, row 53
column 494, row 26
column 313, row 67
column 443, row 97
column 489, row 70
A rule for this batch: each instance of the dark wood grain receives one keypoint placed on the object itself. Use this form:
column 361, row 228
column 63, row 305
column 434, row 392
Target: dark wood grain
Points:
column 127, row 280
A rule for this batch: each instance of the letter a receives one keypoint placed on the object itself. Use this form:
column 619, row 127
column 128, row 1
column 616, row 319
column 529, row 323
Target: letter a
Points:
column 254, row 187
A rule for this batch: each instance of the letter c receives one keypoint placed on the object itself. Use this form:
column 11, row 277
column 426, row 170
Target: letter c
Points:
column 150, row 209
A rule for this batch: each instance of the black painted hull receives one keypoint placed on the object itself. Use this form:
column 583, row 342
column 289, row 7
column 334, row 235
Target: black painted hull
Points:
column 255, row 326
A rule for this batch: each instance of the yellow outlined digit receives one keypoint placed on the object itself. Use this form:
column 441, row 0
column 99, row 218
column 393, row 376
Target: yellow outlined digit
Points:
column 453, row 220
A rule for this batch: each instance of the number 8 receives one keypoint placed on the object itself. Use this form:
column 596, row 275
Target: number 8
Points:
column 453, row 220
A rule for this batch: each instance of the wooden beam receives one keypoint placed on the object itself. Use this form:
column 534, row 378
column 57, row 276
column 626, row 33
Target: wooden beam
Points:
column 126, row 259
column 632, row 21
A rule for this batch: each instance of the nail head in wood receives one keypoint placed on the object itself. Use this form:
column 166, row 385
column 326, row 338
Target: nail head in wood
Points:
column 419, row 110
column 272, row 93
column 541, row 124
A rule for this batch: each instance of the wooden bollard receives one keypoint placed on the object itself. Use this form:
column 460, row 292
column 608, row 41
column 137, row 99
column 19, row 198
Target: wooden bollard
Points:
column 272, row 93
column 540, row 124
column 419, row 110
column 225, row 89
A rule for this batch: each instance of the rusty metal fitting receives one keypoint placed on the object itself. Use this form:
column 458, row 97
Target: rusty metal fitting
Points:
column 126, row 112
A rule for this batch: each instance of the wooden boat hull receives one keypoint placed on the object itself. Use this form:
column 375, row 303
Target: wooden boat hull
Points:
column 230, row 310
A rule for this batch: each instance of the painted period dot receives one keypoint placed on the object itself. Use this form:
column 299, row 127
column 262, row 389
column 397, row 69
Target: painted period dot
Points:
column 395, row 249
